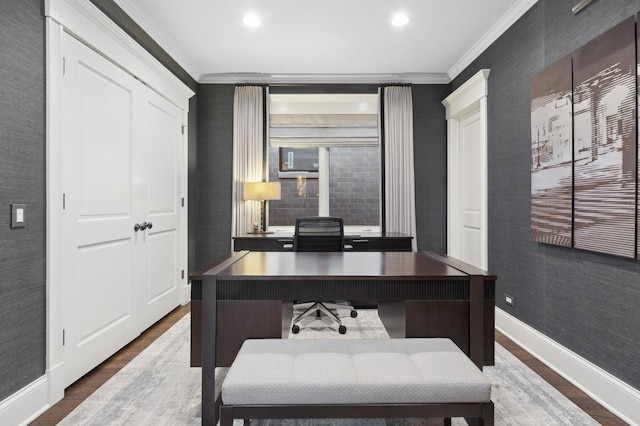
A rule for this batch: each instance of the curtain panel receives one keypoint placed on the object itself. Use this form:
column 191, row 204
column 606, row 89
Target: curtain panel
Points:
column 400, row 204
column 248, row 154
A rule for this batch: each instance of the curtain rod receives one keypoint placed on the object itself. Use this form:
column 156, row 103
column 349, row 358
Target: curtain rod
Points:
column 323, row 84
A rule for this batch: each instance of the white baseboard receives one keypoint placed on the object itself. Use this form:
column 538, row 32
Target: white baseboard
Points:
column 24, row 406
column 617, row 396
column 28, row 403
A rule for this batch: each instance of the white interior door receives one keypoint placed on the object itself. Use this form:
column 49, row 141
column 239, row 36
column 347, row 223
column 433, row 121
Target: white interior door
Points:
column 471, row 192
column 121, row 166
column 160, row 205
column 467, row 227
column 99, row 245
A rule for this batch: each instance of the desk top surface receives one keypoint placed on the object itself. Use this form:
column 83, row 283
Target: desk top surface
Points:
column 345, row 265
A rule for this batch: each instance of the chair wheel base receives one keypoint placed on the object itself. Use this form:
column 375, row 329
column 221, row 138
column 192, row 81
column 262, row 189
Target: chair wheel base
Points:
column 354, row 313
column 342, row 329
column 295, row 329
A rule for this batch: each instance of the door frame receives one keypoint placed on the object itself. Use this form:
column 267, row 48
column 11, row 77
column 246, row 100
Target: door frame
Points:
column 88, row 24
column 471, row 96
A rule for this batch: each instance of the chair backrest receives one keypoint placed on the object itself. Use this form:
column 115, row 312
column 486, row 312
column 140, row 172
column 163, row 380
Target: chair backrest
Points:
column 319, row 234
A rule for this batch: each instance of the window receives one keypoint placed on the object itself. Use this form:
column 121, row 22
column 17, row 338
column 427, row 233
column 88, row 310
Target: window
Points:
column 324, row 150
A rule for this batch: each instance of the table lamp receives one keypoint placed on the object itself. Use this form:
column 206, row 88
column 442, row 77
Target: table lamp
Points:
column 263, row 192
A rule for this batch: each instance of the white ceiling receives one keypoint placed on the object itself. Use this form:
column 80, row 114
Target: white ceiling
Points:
column 328, row 40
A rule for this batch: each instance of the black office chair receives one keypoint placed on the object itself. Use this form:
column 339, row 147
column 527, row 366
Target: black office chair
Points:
column 320, row 234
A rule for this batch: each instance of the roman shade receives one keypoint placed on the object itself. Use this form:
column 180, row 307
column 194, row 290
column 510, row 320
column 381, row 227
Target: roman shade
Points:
column 323, row 120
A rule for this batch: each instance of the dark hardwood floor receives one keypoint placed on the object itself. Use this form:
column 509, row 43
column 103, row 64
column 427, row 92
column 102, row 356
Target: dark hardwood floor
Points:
column 581, row 399
column 85, row 386
column 79, row 391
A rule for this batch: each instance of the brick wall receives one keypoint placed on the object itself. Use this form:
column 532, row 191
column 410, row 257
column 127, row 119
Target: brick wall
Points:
column 353, row 184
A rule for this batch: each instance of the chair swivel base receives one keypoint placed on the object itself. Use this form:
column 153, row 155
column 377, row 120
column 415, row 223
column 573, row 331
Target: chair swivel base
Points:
column 319, row 307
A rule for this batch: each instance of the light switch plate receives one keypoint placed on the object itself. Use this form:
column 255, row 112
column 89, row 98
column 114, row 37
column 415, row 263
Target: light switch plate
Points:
column 18, row 215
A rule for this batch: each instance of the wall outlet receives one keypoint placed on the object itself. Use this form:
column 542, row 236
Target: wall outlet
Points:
column 509, row 300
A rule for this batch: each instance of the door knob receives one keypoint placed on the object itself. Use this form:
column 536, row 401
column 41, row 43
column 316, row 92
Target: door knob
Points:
column 136, row 227
column 143, row 226
column 149, row 225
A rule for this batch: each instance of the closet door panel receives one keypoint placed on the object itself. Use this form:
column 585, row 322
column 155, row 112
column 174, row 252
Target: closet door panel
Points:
column 105, row 282
column 162, row 145
column 106, row 154
column 98, row 245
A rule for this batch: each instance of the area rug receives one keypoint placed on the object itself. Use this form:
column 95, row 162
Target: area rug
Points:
column 159, row 388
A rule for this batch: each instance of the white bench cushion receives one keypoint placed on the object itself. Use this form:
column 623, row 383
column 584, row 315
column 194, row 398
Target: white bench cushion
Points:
column 353, row 371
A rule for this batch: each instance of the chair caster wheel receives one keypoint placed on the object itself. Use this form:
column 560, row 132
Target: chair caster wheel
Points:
column 295, row 329
column 342, row 329
column 354, row 313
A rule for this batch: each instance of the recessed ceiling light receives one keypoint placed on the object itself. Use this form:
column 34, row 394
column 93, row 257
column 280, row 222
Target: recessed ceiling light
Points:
column 251, row 20
column 400, row 20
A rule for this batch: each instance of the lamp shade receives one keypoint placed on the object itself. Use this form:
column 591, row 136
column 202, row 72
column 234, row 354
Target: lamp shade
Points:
column 261, row 191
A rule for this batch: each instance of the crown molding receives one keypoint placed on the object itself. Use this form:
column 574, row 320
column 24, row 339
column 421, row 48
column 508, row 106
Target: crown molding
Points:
column 510, row 17
column 84, row 21
column 265, row 78
column 159, row 36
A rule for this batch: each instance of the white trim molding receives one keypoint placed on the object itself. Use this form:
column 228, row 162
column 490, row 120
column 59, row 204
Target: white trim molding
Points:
column 467, row 95
column 614, row 394
column 85, row 22
column 27, row 404
column 160, row 36
column 413, row 78
column 515, row 12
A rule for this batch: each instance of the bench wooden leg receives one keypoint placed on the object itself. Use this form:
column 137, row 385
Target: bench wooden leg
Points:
column 486, row 418
column 487, row 414
column 226, row 416
column 247, row 422
column 447, row 421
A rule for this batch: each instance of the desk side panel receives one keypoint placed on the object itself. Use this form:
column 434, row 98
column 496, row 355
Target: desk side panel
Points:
column 239, row 320
column 236, row 321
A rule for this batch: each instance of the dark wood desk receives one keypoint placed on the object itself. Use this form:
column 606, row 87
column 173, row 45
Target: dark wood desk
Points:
column 362, row 241
column 420, row 294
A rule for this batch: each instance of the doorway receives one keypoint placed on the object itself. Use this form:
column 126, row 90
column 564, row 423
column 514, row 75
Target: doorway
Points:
column 466, row 112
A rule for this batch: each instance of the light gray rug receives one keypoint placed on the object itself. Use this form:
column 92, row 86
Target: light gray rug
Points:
column 159, row 388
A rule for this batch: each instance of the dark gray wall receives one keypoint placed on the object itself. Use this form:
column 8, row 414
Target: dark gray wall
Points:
column 215, row 171
column 585, row 301
column 22, row 180
column 430, row 157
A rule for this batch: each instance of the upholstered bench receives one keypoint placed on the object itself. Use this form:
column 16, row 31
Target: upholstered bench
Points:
column 354, row 378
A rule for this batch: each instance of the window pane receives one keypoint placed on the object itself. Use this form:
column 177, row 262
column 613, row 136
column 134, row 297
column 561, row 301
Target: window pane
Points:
column 354, row 185
column 354, row 194
column 299, row 195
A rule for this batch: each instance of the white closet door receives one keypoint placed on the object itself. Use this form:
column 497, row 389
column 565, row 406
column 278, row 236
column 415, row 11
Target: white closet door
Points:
column 160, row 138
column 99, row 254
column 121, row 166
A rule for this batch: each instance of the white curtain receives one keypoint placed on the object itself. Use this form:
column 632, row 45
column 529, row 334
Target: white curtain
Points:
column 400, row 202
column 248, row 151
